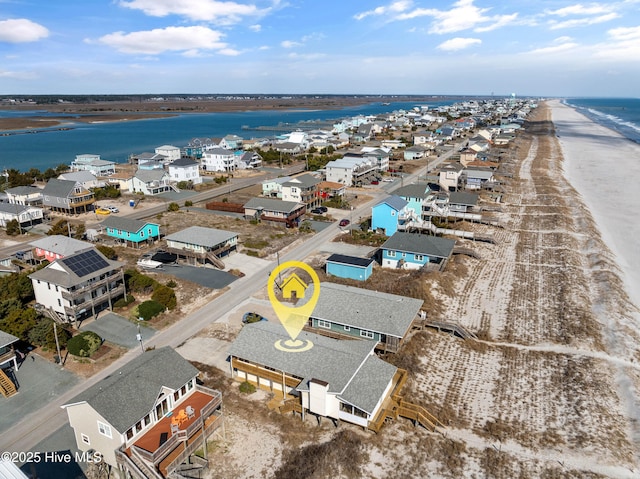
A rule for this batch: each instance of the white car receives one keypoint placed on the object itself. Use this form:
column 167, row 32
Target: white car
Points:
column 113, row 209
column 387, row 179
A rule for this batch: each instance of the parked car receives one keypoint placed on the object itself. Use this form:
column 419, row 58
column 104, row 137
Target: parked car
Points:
column 103, row 211
column 20, row 255
column 250, row 317
column 324, row 209
column 387, row 179
column 317, row 211
column 113, row 209
column 375, row 182
column 344, row 222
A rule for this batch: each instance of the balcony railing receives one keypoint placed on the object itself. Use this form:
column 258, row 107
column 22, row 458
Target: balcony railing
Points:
column 71, row 310
column 74, row 293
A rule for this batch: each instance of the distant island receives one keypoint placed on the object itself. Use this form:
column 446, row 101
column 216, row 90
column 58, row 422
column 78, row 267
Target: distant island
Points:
column 105, row 108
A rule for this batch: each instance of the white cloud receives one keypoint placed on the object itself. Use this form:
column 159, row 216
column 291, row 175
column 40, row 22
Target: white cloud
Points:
column 229, row 52
column 399, row 6
column 562, row 47
column 579, row 9
column 153, row 42
column 289, row 44
column 203, row 10
column 456, row 44
column 583, row 22
column 624, row 45
column 17, row 75
column 463, row 16
column 21, row 30
column 255, row 28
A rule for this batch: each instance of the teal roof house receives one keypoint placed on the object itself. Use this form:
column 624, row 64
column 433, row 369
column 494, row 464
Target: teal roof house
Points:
column 131, row 232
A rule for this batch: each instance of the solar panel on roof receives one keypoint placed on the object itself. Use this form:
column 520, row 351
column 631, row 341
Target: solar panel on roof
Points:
column 85, row 263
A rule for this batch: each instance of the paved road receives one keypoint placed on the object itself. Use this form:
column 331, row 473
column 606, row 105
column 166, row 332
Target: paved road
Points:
column 41, row 423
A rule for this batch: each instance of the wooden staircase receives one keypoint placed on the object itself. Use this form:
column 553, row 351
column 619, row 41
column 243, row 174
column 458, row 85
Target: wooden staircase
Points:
column 7, row 388
column 217, row 262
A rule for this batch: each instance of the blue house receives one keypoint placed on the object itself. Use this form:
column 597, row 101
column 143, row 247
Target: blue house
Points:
column 350, row 267
column 384, row 215
column 414, row 195
column 414, row 251
column 132, row 231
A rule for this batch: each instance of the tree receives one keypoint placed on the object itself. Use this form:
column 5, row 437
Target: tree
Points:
column 13, row 228
column 80, row 231
column 84, row 344
column 165, row 296
column 19, row 322
column 149, row 309
column 108, row 251
column 43, row 334
column 60, row 227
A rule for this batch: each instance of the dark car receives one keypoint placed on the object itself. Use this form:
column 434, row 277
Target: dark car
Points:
column 324, row 209
column 344, row 222
column 250, row 317
column 317, row 211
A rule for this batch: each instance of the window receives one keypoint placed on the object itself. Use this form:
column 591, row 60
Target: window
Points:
column 393, row 213
column 367, row 334
column 324, row 324
column 59, row 303
column 85, row 439
column 104, row 429
column 418, row 257
column 347, row 328
column 404, row 255
column 391, row 254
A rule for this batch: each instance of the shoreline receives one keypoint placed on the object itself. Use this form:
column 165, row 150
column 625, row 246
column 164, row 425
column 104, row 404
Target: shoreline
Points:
column 602, row 165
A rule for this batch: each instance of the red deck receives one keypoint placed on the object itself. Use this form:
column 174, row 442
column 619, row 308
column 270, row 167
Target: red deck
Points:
column 151, row 440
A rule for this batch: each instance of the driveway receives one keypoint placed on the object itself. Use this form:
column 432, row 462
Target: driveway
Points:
column 39, row 383
column 118, row 330
column 207, row 277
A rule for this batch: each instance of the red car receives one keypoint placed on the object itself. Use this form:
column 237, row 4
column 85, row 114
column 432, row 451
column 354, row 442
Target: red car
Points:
column 375, row 182
column 344, row 223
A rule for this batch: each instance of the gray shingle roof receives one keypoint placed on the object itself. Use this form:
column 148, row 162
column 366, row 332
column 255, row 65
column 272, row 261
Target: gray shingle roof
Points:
column 463, row 198
column 124, row 224
column 62, row 245
column 201, row 236
column 80, row 176
column 269, row 204
column 384, row 313
column 59, row 188
column 304, row 180
column 147, row 176
column 183, row 162
column 127, row 395
column 330, row 360
column 431, row 246
column 6, row 339
column 368, row 385
column 13, row 208
column 24, row 190
column 395, row 202
column 420, row 190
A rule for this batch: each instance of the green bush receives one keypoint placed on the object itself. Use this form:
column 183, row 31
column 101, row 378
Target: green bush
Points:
column 149, row 309
column 84, row 344
column 108, row 251
column 13, row 228
column 123, row 303
column 188, row 203
column 140, row 283
column 165, row 296
column 173, row 207
column 171, row 283
column 247, row 388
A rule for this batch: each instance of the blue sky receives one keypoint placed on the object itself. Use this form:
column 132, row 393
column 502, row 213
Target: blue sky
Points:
column 471, row 47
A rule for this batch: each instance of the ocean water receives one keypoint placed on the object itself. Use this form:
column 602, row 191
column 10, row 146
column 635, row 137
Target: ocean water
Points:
column 116, row 141
column 619, row 114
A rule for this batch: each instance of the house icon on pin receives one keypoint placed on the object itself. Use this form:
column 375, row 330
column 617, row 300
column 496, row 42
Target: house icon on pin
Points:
column 293, row 287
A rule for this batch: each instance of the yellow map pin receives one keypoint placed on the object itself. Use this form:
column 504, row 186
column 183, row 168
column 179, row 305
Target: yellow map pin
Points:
column 293, row 318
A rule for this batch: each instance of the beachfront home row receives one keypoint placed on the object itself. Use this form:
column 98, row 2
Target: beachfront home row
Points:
column 25, row 215
column 66, row 196
column 416, row 251
column 148, row 417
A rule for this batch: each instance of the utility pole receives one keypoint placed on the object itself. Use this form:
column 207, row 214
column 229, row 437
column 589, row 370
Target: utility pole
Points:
column 55, row 333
